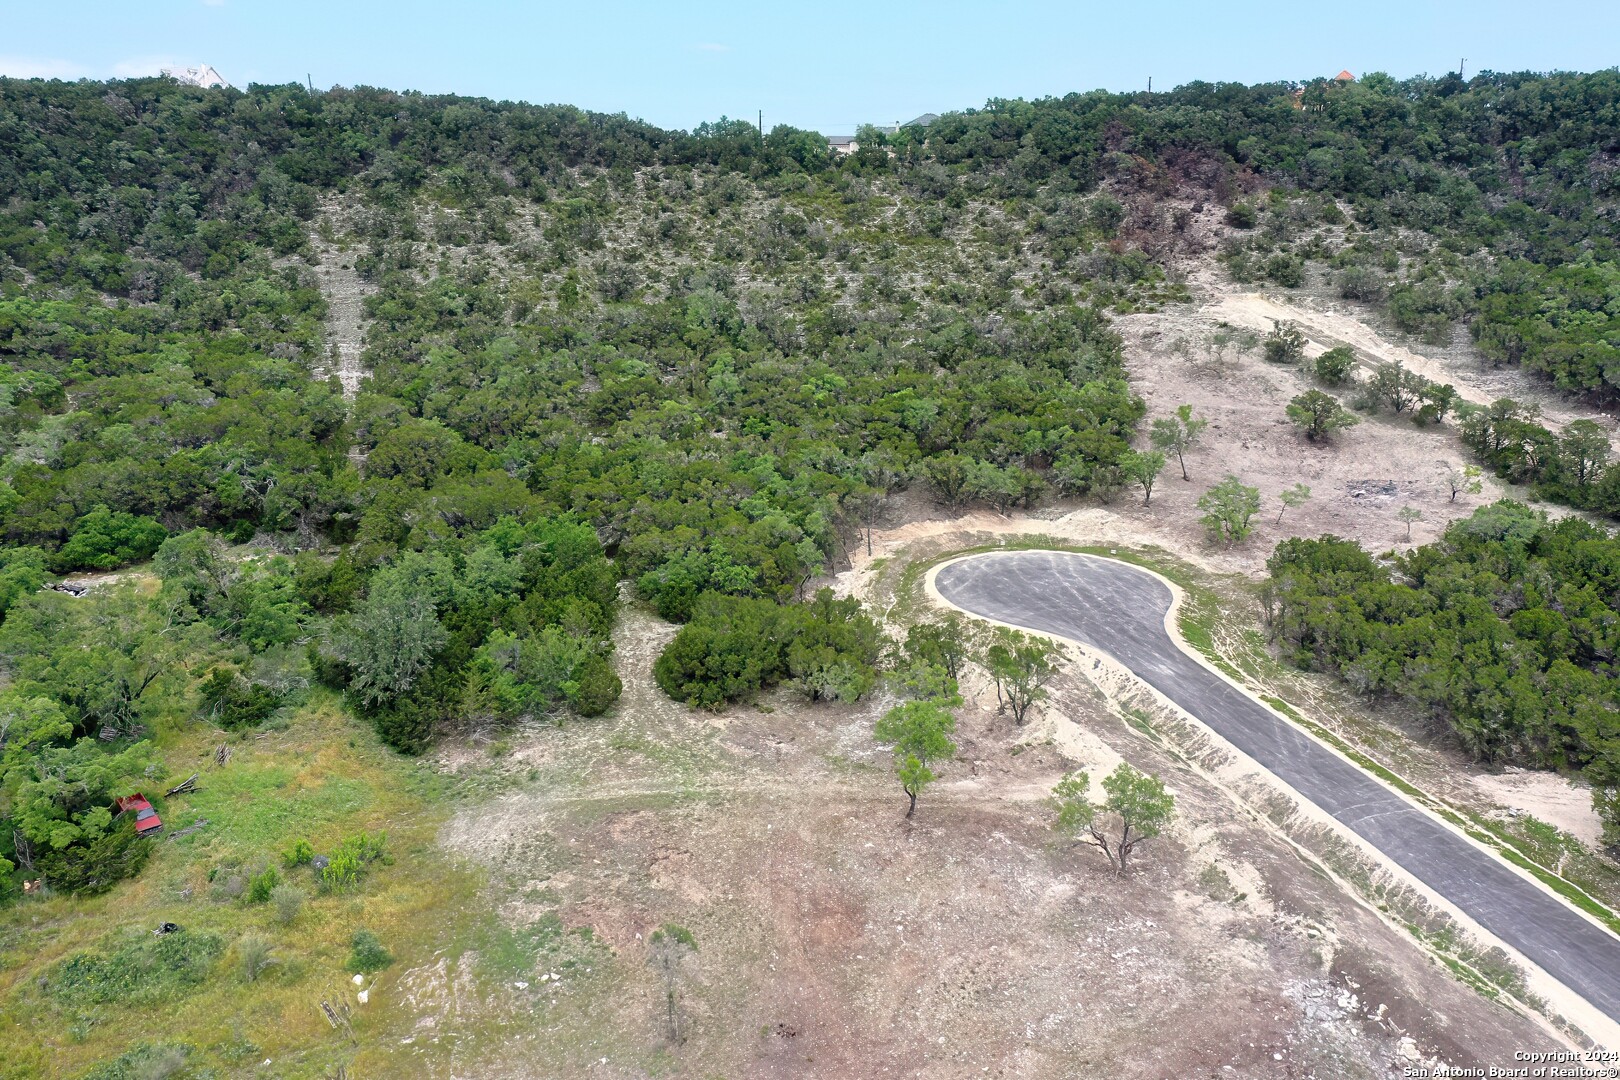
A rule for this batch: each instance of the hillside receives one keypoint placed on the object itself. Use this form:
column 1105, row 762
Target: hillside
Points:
column 469, row 472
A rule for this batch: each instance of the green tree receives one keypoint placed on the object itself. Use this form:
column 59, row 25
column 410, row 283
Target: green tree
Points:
column 1177, row 434
column 919, row 732
column 1136, row 808
column 1285, row 344
column 106, row 539
column 1335, row 365
column 1409, row 514
column 1583, row 448
column 1021, row 665
column 1320, row 414
column 1228, row 508
column 1143, row 467
column 1395, row 388
column 1465, row 479
column 1291, row 498
column 390, row 638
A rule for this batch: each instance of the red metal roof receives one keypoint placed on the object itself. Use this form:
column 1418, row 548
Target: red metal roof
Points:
column 146, row 819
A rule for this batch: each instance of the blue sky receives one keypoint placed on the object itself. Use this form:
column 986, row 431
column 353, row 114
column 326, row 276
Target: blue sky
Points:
column 826, row 66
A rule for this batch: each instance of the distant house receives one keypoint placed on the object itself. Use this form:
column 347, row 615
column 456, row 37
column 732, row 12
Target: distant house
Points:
column 848, row 144
column 1344, row 77
column 147, row 821
column 204, row 76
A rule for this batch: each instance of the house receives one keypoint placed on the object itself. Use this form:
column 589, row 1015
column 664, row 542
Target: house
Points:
column 842, row 144
column 147, row 821
column 204, row 76
column 1344, row 77
column 922, row 121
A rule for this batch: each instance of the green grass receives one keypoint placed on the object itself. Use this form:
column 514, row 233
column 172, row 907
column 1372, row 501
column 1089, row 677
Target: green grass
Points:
column 323, row 777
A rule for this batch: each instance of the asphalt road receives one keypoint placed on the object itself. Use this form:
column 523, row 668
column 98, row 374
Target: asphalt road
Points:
column 1119, row 609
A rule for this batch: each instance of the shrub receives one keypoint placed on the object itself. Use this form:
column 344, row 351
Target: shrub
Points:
column 253, row 955
column 136, row 969
column 262, row 885
column 104, row 540
column 288, row 901
column 1242, row 215
column 300, row 854
column 348, row 864
column 145, row 1061
column 93, row 868
column 1334, row 366
column 734, row 647
column 366, row 953
column 1285, row 344
column 234, row 703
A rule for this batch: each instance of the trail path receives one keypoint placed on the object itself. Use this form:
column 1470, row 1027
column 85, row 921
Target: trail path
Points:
column 345, row 296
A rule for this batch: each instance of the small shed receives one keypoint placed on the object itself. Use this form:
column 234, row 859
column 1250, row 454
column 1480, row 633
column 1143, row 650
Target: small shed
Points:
column 147, row 821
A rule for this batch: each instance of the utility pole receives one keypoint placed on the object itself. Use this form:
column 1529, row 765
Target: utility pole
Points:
column 762, row 125
column 311, row 80
column 1460, row 64
column 1150, row 84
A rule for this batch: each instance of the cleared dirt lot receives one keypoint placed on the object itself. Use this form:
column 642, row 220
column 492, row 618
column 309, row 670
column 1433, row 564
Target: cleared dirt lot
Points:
column 835, row 939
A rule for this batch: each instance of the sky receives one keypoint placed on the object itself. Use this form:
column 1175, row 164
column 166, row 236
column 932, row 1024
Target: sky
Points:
column 828, row 66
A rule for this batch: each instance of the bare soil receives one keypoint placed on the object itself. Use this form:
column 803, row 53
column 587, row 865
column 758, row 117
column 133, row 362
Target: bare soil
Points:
column 837, row 939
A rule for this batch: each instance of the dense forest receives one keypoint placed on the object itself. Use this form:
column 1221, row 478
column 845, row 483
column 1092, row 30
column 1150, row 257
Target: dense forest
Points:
column 1505, row 631
column 600, row 353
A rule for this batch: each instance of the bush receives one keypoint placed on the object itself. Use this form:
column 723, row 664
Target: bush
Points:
column 348, row 864
column 93, row 868
column 145, row 1061
column 234, row 703
column 366, row 953
column 262, row 885
column 1285, row 344
column 734, row 647
column 1242, row 215
column 1286, row 270
column 1334, row 366
column 104, row 540
column 253, row 955
column 136, row 969
column 288, row 901
column 300, row 854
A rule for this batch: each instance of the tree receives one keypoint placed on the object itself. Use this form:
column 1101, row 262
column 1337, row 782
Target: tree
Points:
column 945, row 641
column 1393, row 386
column 1320, row 414
column 104, row 540
column 1227, row 507
column 1136, row 808
column 1466, row 479
column 1285, row 344
column 1583, row 448
column 920, row 733
column 1177, row 434
column 668, row 948
column 391, row 638
column 1438, row 399
column 1335, row 365
column 1409, row 514
column 1021, row 665
column 1143, row 467
column 1293, row 497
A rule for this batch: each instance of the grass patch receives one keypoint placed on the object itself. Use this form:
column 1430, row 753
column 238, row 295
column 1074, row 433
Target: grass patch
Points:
column 106, row 975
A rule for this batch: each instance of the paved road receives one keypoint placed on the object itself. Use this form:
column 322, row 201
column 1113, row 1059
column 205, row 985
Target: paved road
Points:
column 1120, row 609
